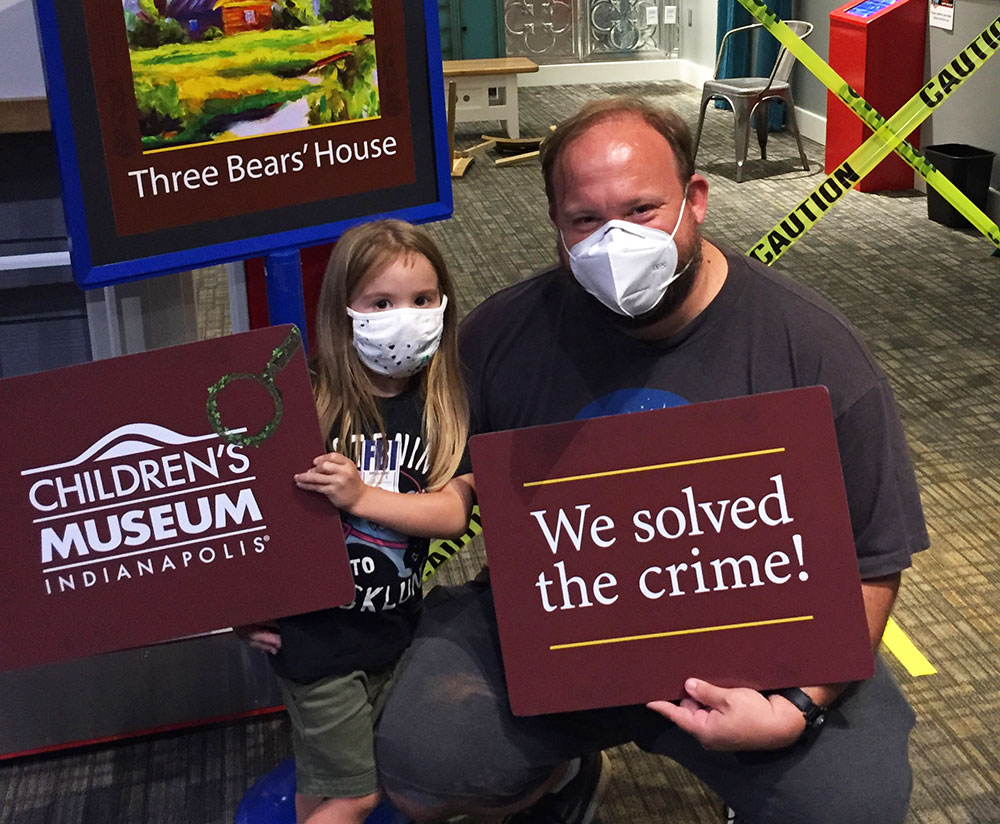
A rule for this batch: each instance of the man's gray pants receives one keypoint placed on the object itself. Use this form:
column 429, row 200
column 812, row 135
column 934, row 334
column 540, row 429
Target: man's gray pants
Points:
column 447, row 736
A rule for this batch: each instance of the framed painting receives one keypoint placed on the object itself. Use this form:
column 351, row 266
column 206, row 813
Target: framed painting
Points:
column 192, row 132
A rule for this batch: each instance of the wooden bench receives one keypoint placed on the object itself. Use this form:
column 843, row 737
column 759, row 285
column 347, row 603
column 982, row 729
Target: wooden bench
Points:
column 487, row 89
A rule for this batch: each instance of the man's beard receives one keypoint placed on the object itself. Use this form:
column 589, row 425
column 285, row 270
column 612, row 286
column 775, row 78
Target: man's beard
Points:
column 672, row 299
column 677, row 292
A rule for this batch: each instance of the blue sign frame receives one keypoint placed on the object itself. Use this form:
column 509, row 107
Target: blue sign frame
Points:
column 90, row 216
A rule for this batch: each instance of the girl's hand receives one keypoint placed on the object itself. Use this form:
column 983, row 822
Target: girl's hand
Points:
column 264, row 637
column 335, row 476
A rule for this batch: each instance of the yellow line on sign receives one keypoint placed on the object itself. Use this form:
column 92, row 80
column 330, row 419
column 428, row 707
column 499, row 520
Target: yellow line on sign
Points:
column 690, row 462
column 694, row 631
column 897, row 642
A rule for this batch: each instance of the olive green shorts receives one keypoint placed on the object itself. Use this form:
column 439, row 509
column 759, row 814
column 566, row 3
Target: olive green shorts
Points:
column 333, row 722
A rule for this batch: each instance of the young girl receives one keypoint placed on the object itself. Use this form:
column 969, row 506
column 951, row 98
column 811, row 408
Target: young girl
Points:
column 390, row 396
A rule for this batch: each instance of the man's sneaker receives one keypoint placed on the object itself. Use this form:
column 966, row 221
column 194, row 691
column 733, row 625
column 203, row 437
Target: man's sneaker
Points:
column 730, row 814
column 575, row 803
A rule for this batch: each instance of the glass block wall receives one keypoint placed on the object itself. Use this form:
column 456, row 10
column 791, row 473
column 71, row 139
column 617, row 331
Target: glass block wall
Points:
column 570, row 31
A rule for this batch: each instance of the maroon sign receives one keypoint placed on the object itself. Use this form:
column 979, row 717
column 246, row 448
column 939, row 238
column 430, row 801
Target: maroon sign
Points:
column 630, row 552
column 150, row 497
column 199, row 131
column 177, row 168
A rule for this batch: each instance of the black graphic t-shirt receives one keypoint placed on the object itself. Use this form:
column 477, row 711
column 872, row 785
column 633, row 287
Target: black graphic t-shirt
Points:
column 374, row 630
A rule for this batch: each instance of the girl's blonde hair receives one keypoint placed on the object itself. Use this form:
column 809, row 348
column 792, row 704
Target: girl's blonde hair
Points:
column 345, row 395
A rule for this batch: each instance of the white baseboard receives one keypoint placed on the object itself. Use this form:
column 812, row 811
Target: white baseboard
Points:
column 625, row 71
column 993, row 204
column 811, row 125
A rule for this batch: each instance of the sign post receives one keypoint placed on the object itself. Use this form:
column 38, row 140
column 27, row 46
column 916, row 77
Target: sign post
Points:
column 285, row 302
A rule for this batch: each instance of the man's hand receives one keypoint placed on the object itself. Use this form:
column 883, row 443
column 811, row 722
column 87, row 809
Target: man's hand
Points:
column 733, row 719
column 335, row 476
column 264, row 637
column 743, row 719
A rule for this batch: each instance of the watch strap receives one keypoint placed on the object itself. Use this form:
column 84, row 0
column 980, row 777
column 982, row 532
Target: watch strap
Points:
column 814, row 714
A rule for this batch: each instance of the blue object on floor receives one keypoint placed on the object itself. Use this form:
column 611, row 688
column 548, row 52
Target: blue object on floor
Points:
column 271, row 800
column 385, row 813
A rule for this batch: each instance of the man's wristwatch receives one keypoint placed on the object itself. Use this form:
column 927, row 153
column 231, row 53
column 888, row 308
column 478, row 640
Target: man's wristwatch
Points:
column 814, row 714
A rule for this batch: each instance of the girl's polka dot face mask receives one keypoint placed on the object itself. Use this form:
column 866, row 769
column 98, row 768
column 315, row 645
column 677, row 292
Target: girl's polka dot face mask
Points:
column 398, row 342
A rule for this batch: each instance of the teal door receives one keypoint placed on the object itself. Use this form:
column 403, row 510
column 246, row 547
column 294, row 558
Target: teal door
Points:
column 448, row 29
column 471, row 29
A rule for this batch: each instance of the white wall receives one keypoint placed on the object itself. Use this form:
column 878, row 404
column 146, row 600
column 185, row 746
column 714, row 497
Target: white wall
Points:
column 810, row 94
column 21, row 73
column 698, row 32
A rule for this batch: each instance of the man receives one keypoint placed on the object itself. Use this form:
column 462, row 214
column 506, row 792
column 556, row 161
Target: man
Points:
column 643, row 312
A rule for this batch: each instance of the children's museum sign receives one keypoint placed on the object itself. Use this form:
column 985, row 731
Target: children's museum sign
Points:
column 150, row 497
column 193, row 131
column 630, row 552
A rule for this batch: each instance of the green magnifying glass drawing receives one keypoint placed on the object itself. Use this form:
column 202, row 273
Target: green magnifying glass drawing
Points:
column 280, row 356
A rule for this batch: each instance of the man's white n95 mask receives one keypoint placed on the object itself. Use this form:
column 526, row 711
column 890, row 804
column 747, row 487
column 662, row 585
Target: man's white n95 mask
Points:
column 398, row 342
column 627, row 266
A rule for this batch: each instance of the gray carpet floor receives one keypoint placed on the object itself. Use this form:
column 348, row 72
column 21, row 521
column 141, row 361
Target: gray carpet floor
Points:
column 924, row 297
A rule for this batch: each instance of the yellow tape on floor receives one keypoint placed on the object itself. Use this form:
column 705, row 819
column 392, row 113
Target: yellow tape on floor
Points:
column 889, row 135
column 902, row 647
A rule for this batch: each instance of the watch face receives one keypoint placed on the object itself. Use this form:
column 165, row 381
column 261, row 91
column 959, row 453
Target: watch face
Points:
column 815, row 717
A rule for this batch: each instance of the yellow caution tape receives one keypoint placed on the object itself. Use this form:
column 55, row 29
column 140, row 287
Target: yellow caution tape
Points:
column 867, row 114
column 442, row 550
column 903, row 648
column 888, row 134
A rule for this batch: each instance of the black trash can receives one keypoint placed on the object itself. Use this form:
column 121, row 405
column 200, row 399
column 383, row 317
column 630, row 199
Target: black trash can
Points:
column 969, row 169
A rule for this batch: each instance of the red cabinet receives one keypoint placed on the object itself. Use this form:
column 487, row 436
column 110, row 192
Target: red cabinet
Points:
column 878, row 47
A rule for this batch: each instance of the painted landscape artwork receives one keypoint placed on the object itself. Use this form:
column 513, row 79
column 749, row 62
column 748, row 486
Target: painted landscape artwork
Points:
column 210, row 70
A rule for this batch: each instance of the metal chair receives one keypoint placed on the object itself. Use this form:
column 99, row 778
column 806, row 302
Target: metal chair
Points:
column 750, row 95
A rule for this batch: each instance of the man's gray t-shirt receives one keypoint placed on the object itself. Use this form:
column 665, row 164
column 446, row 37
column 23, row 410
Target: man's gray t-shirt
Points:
column 542, row 351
